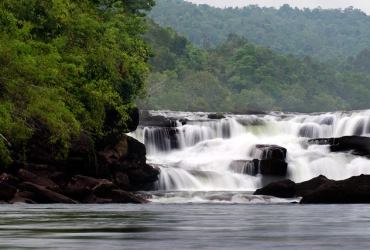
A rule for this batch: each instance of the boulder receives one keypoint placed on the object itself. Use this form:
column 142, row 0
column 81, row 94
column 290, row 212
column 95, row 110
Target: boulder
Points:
column 353, row 190
column 306, row 187
column 262, row 152
column 9, row 179
column 120, row 196
column 44, row 195
column 273, row 167
column 104, row 188
column 80, row 187
column 216, row 116
column 27, row 176
column 6, row 191
column 19, row 199
column 282, row 189
column 121, row 180
column 357, row 145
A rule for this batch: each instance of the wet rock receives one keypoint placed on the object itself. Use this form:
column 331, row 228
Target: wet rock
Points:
column 9, row 179
column 44, row 195
column 120, row 196
column 26, row 194
column 357, row 145
column 216, row 116
column 27, row 176
column 306, row 187
column 19, row 199
column 273, row 167
column 104, row 188
column 121, row 180
column 353, row 190
column 80, row 187
column 269, row 152
column 282, row 189
column 6, row 191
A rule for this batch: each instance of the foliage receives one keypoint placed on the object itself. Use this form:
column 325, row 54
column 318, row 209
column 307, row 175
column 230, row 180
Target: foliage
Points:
column 63, row 64
column 323, row 34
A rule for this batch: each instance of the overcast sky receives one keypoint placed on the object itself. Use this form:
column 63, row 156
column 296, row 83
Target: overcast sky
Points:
column 363, row 5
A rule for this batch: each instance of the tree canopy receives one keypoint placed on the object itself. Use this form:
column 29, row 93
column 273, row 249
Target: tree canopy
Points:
column 64, row 65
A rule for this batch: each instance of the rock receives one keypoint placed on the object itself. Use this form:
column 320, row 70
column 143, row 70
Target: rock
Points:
column 120, row 196
column 61, row 179
column 353, row 190
column 357, row 145
column 273, row 167
column 80, row 187
column 26, row 194
column 19, row 199
column 306, row 187
column 39, row 167
column 147, row 120
column 44, row 195
column 6, row 191
column 104, row 188
column 263, row 152
column 9, row 179
column 27, row 176
column 121, row 180
column 249, row 112
column 216, row 116
column 282, row 189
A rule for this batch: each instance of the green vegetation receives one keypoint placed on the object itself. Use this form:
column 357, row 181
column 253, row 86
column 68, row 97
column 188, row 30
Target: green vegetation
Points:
column 237, row 75
column 64, row 65
column 323, row 34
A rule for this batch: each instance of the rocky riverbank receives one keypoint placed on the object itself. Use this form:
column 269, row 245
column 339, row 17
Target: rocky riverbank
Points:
column 105, row 171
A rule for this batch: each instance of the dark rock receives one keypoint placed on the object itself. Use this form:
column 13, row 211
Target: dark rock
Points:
column 249, row 112
column 306, row 187
column 19, row 199
column 216, row 116
column 9, row 179
column 39, row 167
column 357, row 145
column 61, row 179
column 147, row 120
column 82, row 146
column 6, row 191
column 350, row 191
column 27, row 176
column 134, row 119
column 104, row 188
column 80, row 187
column 120, row 196
column 26, row 194
column 282, row 189
column 121, row 180
column 269, row 152
column 44, row 195
column 273, row 167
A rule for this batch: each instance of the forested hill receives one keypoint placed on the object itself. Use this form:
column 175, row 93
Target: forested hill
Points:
column 237, row 75
column 325, row 34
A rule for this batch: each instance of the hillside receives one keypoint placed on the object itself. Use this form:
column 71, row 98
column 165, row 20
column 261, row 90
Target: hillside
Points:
column 323, row 34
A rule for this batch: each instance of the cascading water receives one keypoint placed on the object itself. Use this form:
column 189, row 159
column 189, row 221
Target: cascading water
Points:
column 207, row 156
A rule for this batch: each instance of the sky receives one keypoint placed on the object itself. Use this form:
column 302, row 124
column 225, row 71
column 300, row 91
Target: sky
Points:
column 363, row 5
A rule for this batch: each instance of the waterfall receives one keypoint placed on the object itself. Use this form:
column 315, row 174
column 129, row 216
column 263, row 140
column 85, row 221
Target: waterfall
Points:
column 201, row 154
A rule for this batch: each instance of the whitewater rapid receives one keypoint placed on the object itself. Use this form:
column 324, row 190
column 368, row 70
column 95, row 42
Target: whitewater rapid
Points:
column 205, row 155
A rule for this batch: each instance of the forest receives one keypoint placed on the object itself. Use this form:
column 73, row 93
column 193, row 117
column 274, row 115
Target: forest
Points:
column 238, row 75
column 68, row 67
column 325, row 34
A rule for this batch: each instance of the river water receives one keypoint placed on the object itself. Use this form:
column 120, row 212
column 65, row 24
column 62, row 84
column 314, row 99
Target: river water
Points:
column 204, row 197
column 185, row 226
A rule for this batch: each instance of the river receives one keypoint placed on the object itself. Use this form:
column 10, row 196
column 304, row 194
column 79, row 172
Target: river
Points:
column 185, row 226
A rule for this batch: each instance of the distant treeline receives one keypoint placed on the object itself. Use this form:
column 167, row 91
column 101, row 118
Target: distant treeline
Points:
column 238, row 75
column 323, row 34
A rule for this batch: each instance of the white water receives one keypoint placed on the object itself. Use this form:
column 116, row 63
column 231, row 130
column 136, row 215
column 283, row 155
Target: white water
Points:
column 208, row 155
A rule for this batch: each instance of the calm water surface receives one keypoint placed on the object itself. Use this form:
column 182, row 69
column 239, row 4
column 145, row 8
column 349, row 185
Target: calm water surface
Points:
column 185, row 226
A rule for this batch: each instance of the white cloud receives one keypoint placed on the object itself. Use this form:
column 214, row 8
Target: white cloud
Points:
column 363, row 5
